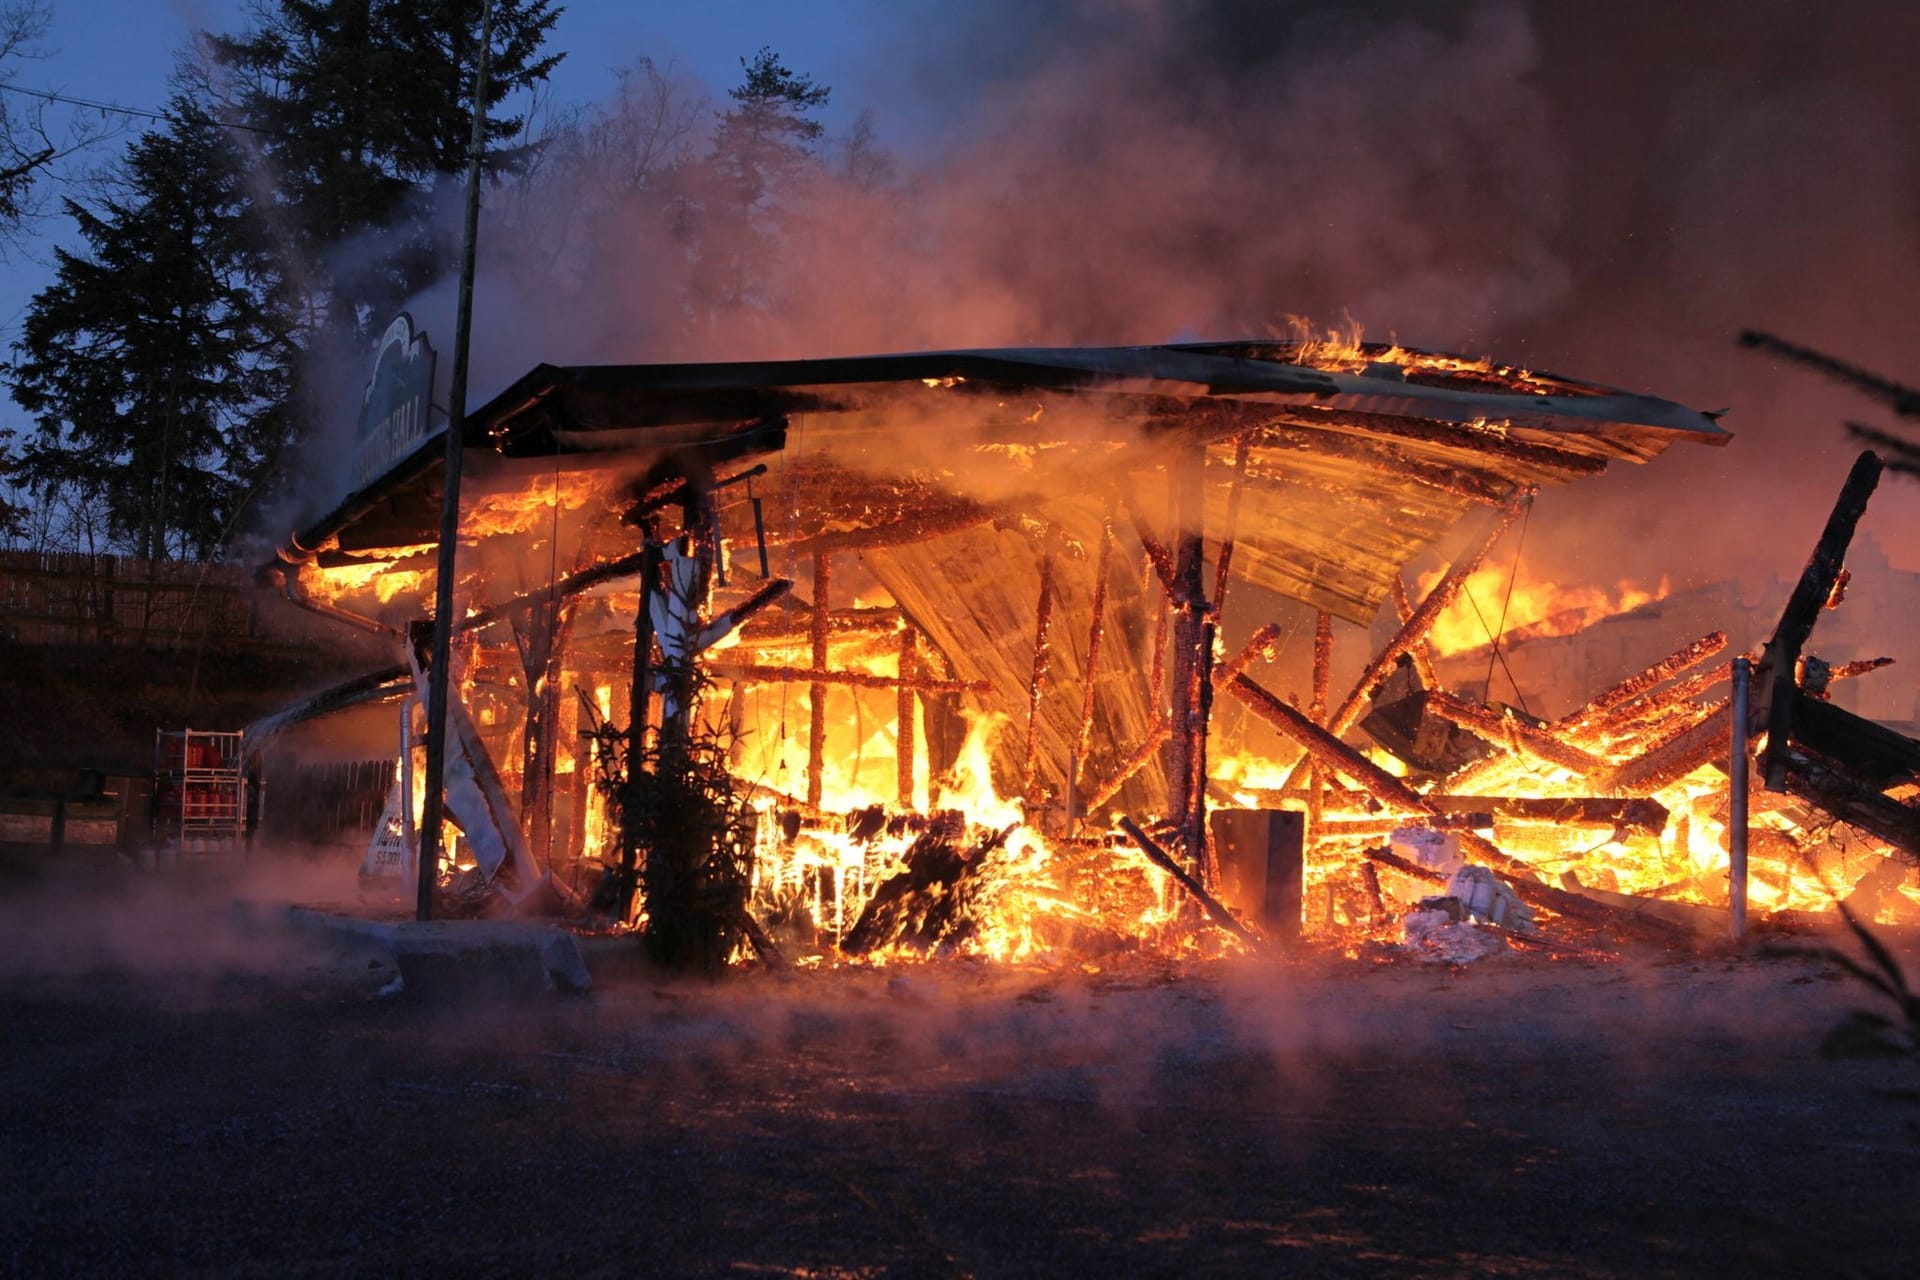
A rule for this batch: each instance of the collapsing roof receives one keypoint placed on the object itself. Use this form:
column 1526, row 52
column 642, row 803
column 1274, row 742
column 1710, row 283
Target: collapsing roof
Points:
column 1350, row 470
column 986, row 489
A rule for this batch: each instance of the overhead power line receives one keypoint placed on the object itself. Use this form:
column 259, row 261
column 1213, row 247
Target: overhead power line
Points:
column 141, row 113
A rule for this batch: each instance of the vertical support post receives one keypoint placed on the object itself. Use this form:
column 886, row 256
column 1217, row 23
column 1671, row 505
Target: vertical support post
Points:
column 1192, row 640
column 639, row 707
column 1317, row 712
column 1157, row 676
column 759, row 530
column 679, row 668
column 817, row 691
column 537, row 743
column 1738, row 767
column 1095, row 630
column 906, row 719
column 441, row 657
column 1073, row 799
column 1222, row 573
column 1042, row 659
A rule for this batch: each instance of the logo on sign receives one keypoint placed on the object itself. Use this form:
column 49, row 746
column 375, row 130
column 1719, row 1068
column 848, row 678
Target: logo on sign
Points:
column 394, row 412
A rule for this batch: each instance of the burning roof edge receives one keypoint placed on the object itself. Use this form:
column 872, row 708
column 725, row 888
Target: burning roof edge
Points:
column 1237, row 371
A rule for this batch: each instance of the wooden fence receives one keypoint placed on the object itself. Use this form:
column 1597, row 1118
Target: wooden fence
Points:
column 62, row 598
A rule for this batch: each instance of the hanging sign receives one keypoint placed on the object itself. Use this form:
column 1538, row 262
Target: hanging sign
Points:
column 396, row 406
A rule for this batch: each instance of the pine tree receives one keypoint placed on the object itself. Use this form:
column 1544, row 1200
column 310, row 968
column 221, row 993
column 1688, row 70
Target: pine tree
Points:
column 153, row 373
column 763, row 149
column 364, row 116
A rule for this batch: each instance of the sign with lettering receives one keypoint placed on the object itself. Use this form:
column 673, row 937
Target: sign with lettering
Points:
column 397, row 404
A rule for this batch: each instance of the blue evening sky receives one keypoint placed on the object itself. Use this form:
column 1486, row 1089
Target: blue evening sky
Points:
column 122, row 51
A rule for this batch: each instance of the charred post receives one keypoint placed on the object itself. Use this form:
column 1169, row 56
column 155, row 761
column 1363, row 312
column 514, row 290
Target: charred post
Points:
column 1223, row 568
column 1042, row 659
column 1096, row 630
column 817, row 690
column 1775, row 692
column 639, row 708
column 1186, row 754
column 1421, row 653
column 905, row 719
column 1415, row 629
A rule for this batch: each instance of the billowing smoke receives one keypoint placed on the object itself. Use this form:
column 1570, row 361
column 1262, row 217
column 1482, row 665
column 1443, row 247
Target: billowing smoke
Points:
column 1610, row 191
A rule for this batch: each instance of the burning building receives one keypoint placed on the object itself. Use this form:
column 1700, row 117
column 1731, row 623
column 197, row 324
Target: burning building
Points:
column 938, row 621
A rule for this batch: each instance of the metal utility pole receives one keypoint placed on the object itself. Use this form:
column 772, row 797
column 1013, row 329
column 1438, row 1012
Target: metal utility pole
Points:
column 442, row 650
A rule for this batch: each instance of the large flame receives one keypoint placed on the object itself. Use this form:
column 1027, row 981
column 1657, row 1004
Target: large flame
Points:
column 1530, row 608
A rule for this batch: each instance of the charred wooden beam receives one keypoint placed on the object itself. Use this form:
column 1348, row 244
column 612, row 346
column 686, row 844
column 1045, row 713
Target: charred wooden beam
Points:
column 1875, row 756
column 922, row 526
column 1702, row 740
column 1581, row 811
column 1653, row 713
column 1497, row 728
column 639, row 705
column 778, row 628
column 763, row 945
column 1635, row 685
column 1561, row 902
column 905, row 719
column 1042, row 658
column 1330, row 753
column 540, row 647
column 1858, row 667
column 732, row 619
column 1223, row 564
column 1157, row 554
column 1130, row 766
column 1191, row 694
column 1259, row 645
column 1382, row 826
column 1323, row 666
column 817, row 688
column 1420, row 652
column 1157, row 675
column 675, row 489
column 1216, row 911
column 571, row 585
column 1775, row 693
column 1096, row 631
column 1322, row 686
column 1452, row 812
column 1415, row 629
column 758, row 673
column 1324, row 749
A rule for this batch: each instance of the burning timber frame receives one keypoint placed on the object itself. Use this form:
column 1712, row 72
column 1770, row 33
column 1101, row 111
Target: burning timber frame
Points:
column 998, row 497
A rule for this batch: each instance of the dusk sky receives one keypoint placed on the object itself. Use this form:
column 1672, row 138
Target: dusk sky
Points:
column 123, row 51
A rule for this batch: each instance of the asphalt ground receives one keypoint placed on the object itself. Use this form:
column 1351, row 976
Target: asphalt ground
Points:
column 187, row 1092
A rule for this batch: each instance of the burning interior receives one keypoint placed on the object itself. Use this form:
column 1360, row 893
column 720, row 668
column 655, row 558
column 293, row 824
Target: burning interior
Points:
column 947, row 643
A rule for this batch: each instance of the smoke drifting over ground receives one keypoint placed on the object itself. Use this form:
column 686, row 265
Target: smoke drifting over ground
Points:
column 1607, row 190
column 185, row 938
